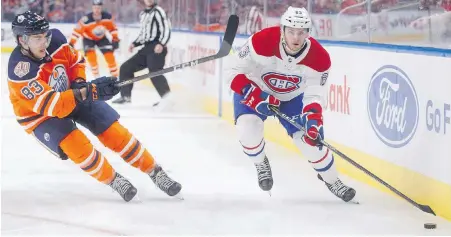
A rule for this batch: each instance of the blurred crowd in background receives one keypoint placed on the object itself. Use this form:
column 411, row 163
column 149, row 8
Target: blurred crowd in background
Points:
column 212, row 15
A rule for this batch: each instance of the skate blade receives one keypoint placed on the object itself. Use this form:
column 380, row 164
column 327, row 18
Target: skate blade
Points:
column 354, row 202
column 179, row 196
column 136, row 199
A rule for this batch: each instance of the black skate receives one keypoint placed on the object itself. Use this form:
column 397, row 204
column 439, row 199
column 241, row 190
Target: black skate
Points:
column 265, row 180
column 164, row 182
column 340, row 190
column 123, row 187
column 122, row 100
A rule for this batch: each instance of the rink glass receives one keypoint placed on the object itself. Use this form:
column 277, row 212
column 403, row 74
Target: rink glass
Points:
column 405, row 22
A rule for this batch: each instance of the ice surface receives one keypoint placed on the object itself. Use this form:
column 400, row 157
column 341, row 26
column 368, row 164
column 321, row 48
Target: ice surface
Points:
column 41, row 195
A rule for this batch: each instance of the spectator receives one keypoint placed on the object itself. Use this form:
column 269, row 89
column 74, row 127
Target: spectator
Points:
column 346, row 7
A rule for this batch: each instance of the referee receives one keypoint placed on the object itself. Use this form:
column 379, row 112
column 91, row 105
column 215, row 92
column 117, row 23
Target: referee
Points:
column 154, row 34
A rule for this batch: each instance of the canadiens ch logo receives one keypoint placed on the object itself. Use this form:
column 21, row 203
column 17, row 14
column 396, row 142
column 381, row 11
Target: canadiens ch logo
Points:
column 58, row 80
column 281, row 83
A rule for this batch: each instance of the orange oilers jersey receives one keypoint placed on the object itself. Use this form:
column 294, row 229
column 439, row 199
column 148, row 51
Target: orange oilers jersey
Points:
column 91, row 29
column 39, row 90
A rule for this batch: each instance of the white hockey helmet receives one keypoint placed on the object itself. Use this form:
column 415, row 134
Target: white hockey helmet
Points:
column 297, row 18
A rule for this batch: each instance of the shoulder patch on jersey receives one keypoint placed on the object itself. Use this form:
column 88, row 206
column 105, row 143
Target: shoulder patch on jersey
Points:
column 84, row 19
column 324, row 77
column 22, row 68
column 244, row 51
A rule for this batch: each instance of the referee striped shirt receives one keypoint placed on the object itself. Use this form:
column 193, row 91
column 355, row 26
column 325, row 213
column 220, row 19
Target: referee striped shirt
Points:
column 155, row 26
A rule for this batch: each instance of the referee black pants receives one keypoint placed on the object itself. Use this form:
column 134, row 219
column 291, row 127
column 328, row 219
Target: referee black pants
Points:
column 145, row 57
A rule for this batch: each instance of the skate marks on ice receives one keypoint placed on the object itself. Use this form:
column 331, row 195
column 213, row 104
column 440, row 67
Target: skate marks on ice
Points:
column 219, row 186
column 43, row 222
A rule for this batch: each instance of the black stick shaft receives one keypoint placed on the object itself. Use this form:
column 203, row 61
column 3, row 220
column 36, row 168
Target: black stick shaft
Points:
column 424, row 208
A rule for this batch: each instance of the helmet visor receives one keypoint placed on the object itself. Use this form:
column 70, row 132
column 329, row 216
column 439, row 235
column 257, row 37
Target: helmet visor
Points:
column 39, row 40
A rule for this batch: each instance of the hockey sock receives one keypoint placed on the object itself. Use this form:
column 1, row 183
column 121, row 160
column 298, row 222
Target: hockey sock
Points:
column 80, row 150
column 322, row 160
column 250, row 132
column 92, row 59
column 111, row 61
column 120, row 140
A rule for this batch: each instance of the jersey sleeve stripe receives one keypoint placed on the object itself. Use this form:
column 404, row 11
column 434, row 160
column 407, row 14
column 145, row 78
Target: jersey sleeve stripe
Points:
column 38, row 102
column 46, row 101
column 29, row 119
column 52, row 105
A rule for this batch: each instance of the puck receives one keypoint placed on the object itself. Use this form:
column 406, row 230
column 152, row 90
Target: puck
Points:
column 430, row 225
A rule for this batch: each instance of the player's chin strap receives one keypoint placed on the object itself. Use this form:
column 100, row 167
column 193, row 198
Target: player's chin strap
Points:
column 290, row 120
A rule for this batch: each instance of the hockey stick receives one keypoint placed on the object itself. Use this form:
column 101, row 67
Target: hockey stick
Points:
column 224, row 50
column 424, row 208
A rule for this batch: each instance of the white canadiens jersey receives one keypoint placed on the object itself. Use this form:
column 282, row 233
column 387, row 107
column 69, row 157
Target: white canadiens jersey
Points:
column 264, row 61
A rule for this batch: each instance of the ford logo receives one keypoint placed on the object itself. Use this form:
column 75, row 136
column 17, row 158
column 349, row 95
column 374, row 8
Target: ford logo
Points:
column 392, row 106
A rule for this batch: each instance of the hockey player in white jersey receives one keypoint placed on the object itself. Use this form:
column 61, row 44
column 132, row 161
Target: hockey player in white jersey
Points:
column 283, row 66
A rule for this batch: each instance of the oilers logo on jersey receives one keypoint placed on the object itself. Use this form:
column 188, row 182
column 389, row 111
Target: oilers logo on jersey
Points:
column 281, row 83
column 99, row 31
column 58, row 79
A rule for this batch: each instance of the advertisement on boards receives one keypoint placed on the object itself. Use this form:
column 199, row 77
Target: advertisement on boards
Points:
column 393, row 107
column 438, row 117
column 338, row 96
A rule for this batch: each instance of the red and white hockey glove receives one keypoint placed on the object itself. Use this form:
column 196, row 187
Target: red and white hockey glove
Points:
column 312, row 120
column 259, row 100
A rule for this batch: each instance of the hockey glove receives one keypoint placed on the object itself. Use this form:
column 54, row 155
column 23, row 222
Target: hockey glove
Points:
column 78, row 84
column 312, row 120
column 102, row 88
column 115, row 45
column 259, row 100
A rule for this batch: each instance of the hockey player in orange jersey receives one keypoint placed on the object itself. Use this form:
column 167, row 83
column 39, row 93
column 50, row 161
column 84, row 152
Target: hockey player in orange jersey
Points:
column 50, row 96
column 92, row 28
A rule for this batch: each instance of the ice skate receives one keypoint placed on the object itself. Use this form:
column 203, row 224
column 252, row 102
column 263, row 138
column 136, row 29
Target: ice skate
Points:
column 165, row 183
column 122, row 100
column 123, row 187
column 340, row 190
column 265, row 180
